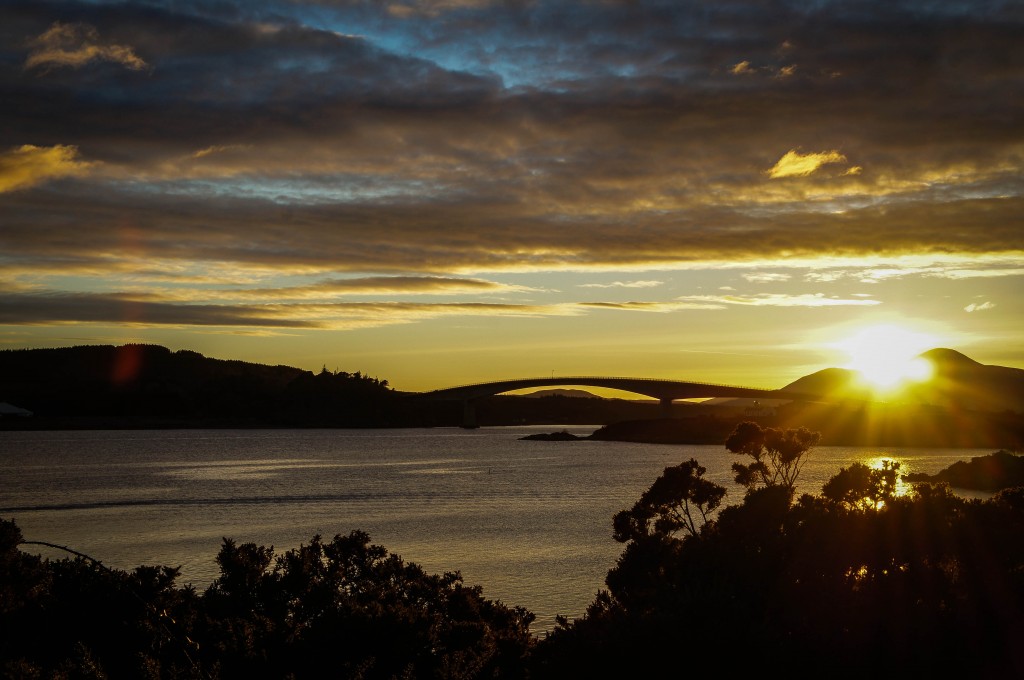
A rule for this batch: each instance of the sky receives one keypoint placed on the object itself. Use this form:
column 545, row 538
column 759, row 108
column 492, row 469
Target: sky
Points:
column 442, row 192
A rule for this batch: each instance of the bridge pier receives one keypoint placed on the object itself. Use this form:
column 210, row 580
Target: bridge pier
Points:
column 666, row 407
column 469, row 415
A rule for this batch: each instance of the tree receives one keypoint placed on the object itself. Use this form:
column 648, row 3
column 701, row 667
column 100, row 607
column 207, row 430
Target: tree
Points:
column 356, row 609
column 778, row 454
column 862, row 486
column 341, row 608
column 855, row 582
column 680, row 499
column 76, row 618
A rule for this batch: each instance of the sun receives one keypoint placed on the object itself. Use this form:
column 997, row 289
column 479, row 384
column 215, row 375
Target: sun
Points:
column 886, row 356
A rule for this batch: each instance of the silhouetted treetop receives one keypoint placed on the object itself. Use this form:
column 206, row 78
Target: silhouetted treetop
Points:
column 680, row 499
column 860, row 486
column 778, row 455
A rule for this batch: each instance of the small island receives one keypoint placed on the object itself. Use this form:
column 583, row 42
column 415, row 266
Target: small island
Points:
column 994, row 472
column 563, row 436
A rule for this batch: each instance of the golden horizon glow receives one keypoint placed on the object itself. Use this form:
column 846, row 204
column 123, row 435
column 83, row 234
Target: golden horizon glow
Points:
column 886, row 356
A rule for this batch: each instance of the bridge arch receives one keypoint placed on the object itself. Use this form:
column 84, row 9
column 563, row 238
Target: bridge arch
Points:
column 665, row 391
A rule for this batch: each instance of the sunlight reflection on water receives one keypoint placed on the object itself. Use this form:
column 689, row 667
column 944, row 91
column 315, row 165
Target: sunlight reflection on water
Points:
column 529, row 521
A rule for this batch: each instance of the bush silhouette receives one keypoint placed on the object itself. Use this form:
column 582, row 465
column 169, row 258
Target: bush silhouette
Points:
column 856, row 582
column 344, row 608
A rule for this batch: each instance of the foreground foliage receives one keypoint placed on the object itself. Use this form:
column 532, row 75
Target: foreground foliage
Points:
column 855, row 582
column 345, row 607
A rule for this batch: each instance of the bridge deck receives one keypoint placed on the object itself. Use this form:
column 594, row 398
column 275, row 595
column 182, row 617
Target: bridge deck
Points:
column 650, row 387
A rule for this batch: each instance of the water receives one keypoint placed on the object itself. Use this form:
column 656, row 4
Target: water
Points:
column 529, row 521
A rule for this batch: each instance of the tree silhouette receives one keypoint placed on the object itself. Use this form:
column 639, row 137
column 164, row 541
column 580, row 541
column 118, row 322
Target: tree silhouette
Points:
column 856, row 582
column 863, row 486
column 343, row 608
column 778, row 454
column 680, row 499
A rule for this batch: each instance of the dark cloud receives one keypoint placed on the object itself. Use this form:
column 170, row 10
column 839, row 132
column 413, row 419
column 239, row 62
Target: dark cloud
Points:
column 48, row 308
column 208, row 82
column 51, row 308
column 69, row 226
column 381, row 285
column 448, row 137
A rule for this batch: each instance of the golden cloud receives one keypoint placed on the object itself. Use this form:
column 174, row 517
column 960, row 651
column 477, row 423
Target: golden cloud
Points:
column 76, row 45
column 28, row 165
column 391, row 285
column 624, row 284
column 781, row 300
column 654, row 306
column 404, row 9
column 795, row 164
column 217, row 148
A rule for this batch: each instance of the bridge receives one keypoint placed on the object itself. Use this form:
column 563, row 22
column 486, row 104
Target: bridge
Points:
column 665, row 391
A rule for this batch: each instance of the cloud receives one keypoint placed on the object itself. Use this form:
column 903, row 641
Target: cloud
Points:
column 215, row 149
column 741, row 68
column 56, row 308
column 45, row 308
column 506, row 136
column 744, row 68
column 795, row 164
column 672, row 306
column 624, row 284
column 955, row 268
column 432, row 233
column 27, row 166
column 381, row 285
column 966, row 272
column 75, row 45
column 347, row 315
column 61, row 307
column 780, row 300
column 975, row 307
column 406, row 9
column 766, row 277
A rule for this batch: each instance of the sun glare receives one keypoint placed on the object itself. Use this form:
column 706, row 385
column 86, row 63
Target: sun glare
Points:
column 886, row 356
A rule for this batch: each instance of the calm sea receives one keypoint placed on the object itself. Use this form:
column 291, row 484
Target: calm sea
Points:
column 529, row 521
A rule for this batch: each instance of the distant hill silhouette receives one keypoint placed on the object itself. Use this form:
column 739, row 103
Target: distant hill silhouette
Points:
column 150, row 384
column 559, row 392
column 102, row 386
column 827, row 381
column 964, row 404
column 994, row 472
column 957, row 382
column 964, row 383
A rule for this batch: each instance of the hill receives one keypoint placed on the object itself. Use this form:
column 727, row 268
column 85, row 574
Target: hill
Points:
column 560, row 392
column 994, row 472
column 149, row 385
column 829, row 381
column 957, row 381
column 961, row 382
column 964, row 404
